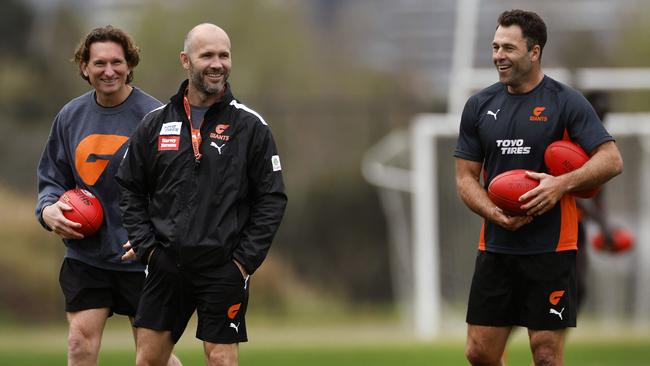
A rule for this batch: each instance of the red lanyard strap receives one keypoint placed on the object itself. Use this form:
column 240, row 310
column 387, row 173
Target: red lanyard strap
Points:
column 195, row 132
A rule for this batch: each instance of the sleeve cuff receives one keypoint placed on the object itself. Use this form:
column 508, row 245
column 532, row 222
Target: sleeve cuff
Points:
column 249, row 269
column 142, row 253
column 40, row 217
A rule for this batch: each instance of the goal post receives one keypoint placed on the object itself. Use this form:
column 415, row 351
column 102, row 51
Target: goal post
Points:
column 426, row 231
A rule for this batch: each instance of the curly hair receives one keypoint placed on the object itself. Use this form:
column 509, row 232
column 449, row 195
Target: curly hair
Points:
column 532, row 26
column 107, row 34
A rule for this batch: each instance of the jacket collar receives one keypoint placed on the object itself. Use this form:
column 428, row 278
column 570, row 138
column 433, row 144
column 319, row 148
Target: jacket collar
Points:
column 177, row 99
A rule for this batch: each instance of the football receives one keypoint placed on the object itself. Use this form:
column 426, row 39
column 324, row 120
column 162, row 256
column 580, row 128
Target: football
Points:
column 564, row 156
column 86, row 210
column 622, row 240
column 506, row 188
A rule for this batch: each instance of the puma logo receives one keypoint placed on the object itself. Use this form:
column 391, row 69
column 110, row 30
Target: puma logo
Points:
column 213, row 144
column 235, row 327
column 558, row 313
column 493, row 114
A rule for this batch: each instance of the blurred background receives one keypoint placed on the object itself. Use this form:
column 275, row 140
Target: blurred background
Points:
column 332, row 78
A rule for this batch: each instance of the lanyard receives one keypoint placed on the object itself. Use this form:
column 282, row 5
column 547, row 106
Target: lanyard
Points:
column 195, row 132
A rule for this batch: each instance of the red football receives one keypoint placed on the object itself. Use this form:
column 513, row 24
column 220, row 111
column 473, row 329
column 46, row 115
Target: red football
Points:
column 565, row 156
column 86, row 210
column 622, row 240
column 506, row 188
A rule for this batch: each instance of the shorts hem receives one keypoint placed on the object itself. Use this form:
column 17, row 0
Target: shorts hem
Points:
column 223, row 340
column 491, row 324
column 74, row 309
column 495, row 324
column 159, row 328
column 552, row 328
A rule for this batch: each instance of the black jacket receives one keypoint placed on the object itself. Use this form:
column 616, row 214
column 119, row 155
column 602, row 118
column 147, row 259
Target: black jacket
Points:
column 227, row 205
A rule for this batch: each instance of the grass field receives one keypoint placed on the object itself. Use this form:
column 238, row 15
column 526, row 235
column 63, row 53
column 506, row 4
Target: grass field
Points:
column 579, row 353
column 404, row 355
column 316, row 345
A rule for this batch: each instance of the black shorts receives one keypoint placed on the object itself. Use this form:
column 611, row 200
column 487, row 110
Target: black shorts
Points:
column 172, row 293
column 533, row 291
column 88, row 287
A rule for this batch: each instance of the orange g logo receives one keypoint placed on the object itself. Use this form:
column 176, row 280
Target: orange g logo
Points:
column 538, row 111
column 555, row 297
column 537, row 115
column 233, row 310
column 220, row 128
column 93, row 153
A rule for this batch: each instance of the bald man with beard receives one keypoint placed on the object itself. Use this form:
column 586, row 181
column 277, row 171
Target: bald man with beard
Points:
column 202, row 199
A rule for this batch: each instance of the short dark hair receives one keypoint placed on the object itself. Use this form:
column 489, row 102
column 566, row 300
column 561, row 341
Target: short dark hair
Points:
column 108, row 34
column 532, row 26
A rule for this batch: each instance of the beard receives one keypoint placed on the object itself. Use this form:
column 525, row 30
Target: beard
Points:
column 199, row 81
column 518, row 74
